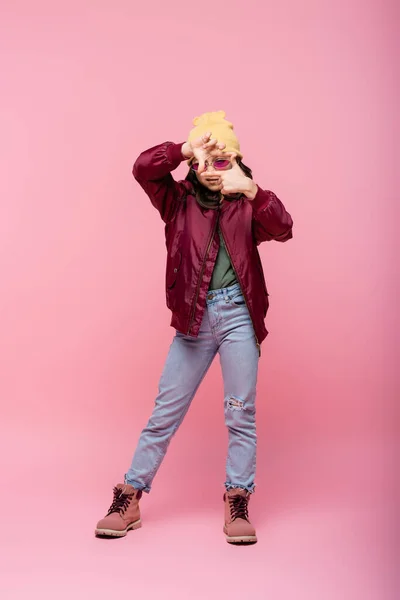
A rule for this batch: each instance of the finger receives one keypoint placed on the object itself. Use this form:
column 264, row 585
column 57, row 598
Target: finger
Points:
column 210, row 143
column 207, row 137
column 214, row 152
column 220, row 152
column 202, row 166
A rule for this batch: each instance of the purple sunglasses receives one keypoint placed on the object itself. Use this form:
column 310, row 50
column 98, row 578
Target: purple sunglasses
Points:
column 218, row 164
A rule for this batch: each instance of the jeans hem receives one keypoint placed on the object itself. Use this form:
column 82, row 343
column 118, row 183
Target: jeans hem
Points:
column 137, row 486
column 248, row 488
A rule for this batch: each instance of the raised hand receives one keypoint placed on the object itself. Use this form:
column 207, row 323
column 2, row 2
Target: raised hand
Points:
column 202, row 149
column 233, row 180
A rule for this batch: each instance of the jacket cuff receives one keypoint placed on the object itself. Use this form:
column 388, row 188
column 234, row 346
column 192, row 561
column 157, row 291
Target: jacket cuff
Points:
column 261, row 200
column 174, row 155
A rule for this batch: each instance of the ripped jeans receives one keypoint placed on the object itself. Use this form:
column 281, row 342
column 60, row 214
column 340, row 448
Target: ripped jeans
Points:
column 227, row 329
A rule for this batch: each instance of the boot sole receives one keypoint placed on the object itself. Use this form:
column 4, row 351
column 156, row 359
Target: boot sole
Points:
column 117, row 532
column 240, row 539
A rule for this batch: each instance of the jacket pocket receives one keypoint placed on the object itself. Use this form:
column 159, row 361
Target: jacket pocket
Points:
column 173, row 266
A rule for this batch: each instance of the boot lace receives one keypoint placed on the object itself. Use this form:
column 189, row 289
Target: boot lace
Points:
column 239, row 507
column 120, row 502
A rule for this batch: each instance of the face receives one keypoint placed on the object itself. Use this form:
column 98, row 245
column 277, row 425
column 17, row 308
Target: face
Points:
column 217, row 164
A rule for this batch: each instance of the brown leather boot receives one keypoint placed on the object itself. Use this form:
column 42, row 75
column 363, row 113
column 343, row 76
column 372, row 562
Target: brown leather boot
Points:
column 237, row 528
column 123, row 514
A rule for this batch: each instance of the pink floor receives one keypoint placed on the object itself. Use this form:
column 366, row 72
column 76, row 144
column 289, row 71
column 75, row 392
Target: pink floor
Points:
column 322, row 536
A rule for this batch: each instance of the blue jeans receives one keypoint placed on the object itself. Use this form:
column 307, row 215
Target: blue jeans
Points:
column 227, row 329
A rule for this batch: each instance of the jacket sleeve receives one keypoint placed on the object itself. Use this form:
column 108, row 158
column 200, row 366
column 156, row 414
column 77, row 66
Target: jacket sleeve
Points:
column 152, row 170
column 271, row 221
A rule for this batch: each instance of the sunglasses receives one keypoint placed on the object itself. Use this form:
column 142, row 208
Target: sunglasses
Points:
column 218, row 164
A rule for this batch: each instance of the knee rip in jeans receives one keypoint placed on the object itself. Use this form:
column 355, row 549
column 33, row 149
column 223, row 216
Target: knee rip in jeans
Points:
column 234, row 403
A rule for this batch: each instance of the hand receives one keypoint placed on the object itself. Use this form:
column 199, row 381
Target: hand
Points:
column 202, row 149
column 234, row 181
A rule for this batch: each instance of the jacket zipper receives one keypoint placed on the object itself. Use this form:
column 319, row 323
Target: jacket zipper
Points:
column 242, row 289
column 202, row 273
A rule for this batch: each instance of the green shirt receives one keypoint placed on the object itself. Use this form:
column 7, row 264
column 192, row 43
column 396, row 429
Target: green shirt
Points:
column 223, row 275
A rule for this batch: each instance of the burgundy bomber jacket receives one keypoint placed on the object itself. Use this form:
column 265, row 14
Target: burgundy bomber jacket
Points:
column 192, row 245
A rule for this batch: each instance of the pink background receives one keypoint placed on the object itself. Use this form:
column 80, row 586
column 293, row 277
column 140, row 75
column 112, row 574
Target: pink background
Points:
column 86, row 86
